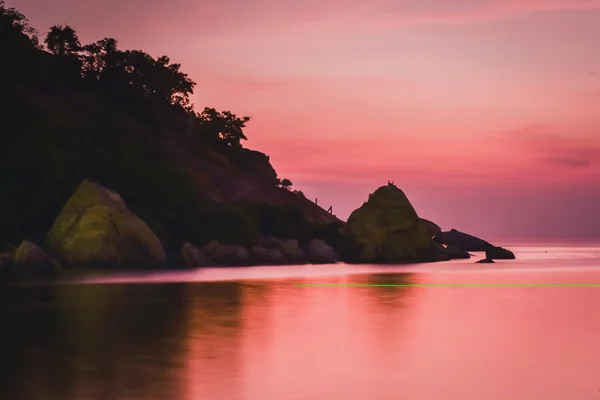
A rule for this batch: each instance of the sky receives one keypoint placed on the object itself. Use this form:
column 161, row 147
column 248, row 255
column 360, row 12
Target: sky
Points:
column 485, row 112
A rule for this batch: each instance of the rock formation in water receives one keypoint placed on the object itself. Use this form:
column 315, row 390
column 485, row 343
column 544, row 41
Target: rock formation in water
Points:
column 499, row 253
column 387, row 229
column 462, row 240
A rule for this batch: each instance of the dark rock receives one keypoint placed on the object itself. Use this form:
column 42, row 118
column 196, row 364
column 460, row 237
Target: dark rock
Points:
column 261, row 255
column 457, row 253
column 431, row 227
column 499, row 253
column 193, row 256
column 30, row 255
column 270, row 243
column 229, row 254
column 319, row 252
column 462, row 240
column 387, row 229
column 292, row 251
column 437, row 252
column 485, row 261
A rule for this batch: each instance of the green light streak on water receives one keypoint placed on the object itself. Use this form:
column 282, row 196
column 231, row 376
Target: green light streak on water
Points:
column 450, row 284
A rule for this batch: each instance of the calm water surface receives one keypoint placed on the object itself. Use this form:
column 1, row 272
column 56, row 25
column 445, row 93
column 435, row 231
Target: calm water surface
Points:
column 250, row 334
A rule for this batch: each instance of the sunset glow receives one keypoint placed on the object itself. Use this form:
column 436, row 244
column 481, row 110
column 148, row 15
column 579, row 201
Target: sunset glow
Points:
column 485, row 112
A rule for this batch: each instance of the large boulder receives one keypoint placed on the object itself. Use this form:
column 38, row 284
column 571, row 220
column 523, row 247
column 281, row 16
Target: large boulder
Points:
column 193, row 256
column 319, row 252
column 387, row 228
column 229, row 254
column 292, row 251
column 499, row 253
column 270, row 242
column 30, row 255
column 462, row 240
column 95, row 227
column 263, row 256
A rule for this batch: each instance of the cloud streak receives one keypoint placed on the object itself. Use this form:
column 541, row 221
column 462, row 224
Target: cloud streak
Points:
column 569, row 162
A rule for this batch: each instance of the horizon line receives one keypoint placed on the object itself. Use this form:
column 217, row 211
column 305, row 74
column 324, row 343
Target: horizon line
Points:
column 447, row 284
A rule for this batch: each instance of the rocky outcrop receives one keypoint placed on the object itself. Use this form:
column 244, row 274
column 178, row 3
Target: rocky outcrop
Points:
column 292, row 251
column 388, row 229
column 270, row 242
column 485, row 261
column 30, row 255
column 260, row 255
column 319, row 252
column 439, row 252
column 95, row 227
column 193, row 256
column 462, row 240
column 431, row 227
column 226, row 254
column 499, row 253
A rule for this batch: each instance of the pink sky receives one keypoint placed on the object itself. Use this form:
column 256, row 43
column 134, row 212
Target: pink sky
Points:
column 487, row 113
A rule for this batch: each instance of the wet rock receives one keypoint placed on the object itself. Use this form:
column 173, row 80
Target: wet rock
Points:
column 499, row 253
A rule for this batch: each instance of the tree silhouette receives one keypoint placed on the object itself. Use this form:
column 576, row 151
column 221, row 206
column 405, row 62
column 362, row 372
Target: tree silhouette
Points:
column 224, row 126
column 62, row 40
column 286, row 183
column 13, row 23
column 96, row 56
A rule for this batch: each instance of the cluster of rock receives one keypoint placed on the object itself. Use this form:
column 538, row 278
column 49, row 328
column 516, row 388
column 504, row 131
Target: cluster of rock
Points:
column 387, row 229
column 269, row 251
column 95, row 228
column 466, row 242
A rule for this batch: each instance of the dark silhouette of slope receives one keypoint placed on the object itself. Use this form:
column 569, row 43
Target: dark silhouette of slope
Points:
column 221, row 184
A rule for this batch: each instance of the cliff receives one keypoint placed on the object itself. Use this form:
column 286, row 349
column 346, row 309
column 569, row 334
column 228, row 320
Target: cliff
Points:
column 124, row 120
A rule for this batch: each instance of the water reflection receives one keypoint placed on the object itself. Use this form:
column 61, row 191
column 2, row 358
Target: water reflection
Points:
column 268, row 339
column 121, row 341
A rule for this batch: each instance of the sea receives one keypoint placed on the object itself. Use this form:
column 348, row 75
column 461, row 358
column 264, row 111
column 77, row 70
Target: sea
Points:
column 518, row 329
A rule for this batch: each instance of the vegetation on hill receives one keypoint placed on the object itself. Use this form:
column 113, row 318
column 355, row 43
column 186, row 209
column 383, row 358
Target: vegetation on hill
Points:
column 72, row 111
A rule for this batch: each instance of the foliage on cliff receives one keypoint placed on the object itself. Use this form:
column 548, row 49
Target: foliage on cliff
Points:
column 74, row 111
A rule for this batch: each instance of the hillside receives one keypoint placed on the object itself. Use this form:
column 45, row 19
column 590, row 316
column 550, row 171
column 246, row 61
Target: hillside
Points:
column 124, row 119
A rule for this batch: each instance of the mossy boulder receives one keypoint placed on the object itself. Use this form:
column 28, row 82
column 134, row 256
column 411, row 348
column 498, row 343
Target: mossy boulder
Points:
column 95, row 227
column 388, row 229
column 30, row 255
